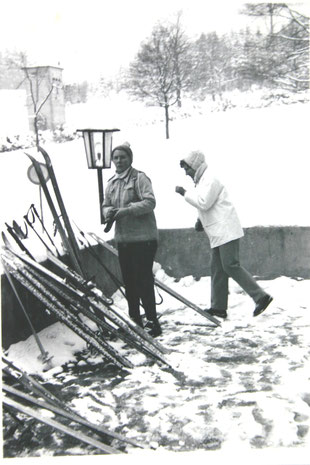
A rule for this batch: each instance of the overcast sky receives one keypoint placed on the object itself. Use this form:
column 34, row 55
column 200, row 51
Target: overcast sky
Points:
column 93, row 37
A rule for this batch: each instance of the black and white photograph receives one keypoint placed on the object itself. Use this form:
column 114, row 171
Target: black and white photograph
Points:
column 155, row 231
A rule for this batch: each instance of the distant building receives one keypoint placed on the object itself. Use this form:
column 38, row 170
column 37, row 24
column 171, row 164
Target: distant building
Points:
column 42, row 82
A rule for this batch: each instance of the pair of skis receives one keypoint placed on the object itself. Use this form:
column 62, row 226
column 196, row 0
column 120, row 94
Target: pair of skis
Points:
column 40, row 397
column 66, row 232
column 72, row 297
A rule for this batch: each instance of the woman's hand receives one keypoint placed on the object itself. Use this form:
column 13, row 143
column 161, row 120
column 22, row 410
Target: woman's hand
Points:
column 180, row 190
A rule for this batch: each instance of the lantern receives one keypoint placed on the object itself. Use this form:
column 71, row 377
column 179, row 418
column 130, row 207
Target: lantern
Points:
column 98, row 148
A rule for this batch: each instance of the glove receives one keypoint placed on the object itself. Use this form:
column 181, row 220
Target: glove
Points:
column 120, row 213
column 180, row 190
column 198, row 225
column 110, row 214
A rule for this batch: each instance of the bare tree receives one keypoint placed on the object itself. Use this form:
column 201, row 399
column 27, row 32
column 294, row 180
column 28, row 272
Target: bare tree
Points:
column 40, row 89
column 159, row 72
column 180, row 47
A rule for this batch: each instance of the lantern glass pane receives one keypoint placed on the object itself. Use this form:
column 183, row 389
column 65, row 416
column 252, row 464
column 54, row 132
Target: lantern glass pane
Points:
column 97, row 150
column 107, row 149
column 86, row 137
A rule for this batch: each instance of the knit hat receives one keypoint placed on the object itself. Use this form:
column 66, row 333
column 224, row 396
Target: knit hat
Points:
column 194, row 160
column 125, row 147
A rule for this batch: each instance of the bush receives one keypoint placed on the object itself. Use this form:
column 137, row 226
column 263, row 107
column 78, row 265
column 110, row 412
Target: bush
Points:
column 26, row 141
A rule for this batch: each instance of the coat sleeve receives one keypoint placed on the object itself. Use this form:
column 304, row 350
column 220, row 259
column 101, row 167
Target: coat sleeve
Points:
column 146, row 202
column 204, row 195
column 107, row 203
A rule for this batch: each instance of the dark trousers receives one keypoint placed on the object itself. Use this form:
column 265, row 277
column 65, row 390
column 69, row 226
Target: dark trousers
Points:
column 224, row 265
column 136, row 261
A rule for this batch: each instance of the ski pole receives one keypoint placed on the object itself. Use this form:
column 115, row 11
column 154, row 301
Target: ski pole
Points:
column 34, row 210
column 116, row 281
column 18, row 230
column 44, row 355
column 36, row 233
column 17, row 240
column 162, row 286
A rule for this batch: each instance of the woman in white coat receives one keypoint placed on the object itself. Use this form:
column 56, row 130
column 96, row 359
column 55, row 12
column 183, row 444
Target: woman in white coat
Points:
column 219, row 219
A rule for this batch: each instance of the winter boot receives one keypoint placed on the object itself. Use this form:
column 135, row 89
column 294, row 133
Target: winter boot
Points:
column 218, row 313
column 137, row 320
column 153, row 328
column 262, row 304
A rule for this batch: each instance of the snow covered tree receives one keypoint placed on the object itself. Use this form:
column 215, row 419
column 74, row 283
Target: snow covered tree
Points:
column 161, row 69
column 280, row 58
column 212, row 70
column 294, row 40
column 270, row 11
column 11, row 74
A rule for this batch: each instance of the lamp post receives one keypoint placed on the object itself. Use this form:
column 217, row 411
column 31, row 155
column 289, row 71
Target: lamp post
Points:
column 98, row 148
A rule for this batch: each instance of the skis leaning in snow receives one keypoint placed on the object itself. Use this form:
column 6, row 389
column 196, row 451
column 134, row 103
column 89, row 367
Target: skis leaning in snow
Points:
column 70, row 303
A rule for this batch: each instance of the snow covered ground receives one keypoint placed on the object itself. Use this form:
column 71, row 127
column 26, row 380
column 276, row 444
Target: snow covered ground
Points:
column 242, row 388
column 239, row 388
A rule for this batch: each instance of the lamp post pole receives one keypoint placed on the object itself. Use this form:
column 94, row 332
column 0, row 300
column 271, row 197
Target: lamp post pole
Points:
column 101, row 195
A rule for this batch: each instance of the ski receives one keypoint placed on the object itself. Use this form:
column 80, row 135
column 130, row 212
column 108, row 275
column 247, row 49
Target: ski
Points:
column 44, row 355
column 161, row 285
column 59, row 426
column 34, row 386
column 30, row 382
column 121, row 332
column 90, row 308
column 72, row 238
column 92, row 292
column 69, row 414
column 73, row 322
column 67, row 244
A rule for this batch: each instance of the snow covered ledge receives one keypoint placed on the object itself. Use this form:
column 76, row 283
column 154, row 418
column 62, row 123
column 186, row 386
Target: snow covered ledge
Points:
column 267, row 252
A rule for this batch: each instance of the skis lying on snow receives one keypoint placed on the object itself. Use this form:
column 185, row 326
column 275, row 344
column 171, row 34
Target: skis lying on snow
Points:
column 52, row 403
column 59, row 426
column 161, row 285
column 69, row 303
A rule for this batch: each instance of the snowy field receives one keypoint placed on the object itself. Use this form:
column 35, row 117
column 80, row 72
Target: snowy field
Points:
column 242, row 388
column 261, row 154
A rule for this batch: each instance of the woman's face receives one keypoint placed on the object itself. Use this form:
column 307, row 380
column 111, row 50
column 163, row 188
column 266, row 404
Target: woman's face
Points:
column 121, row 160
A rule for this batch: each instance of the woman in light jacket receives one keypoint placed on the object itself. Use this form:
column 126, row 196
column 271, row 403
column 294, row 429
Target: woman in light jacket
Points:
column 130, row 202
column 219, row 219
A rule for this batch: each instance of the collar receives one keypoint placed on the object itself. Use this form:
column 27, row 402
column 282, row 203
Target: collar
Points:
column 202, row 168
column 123, row 174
